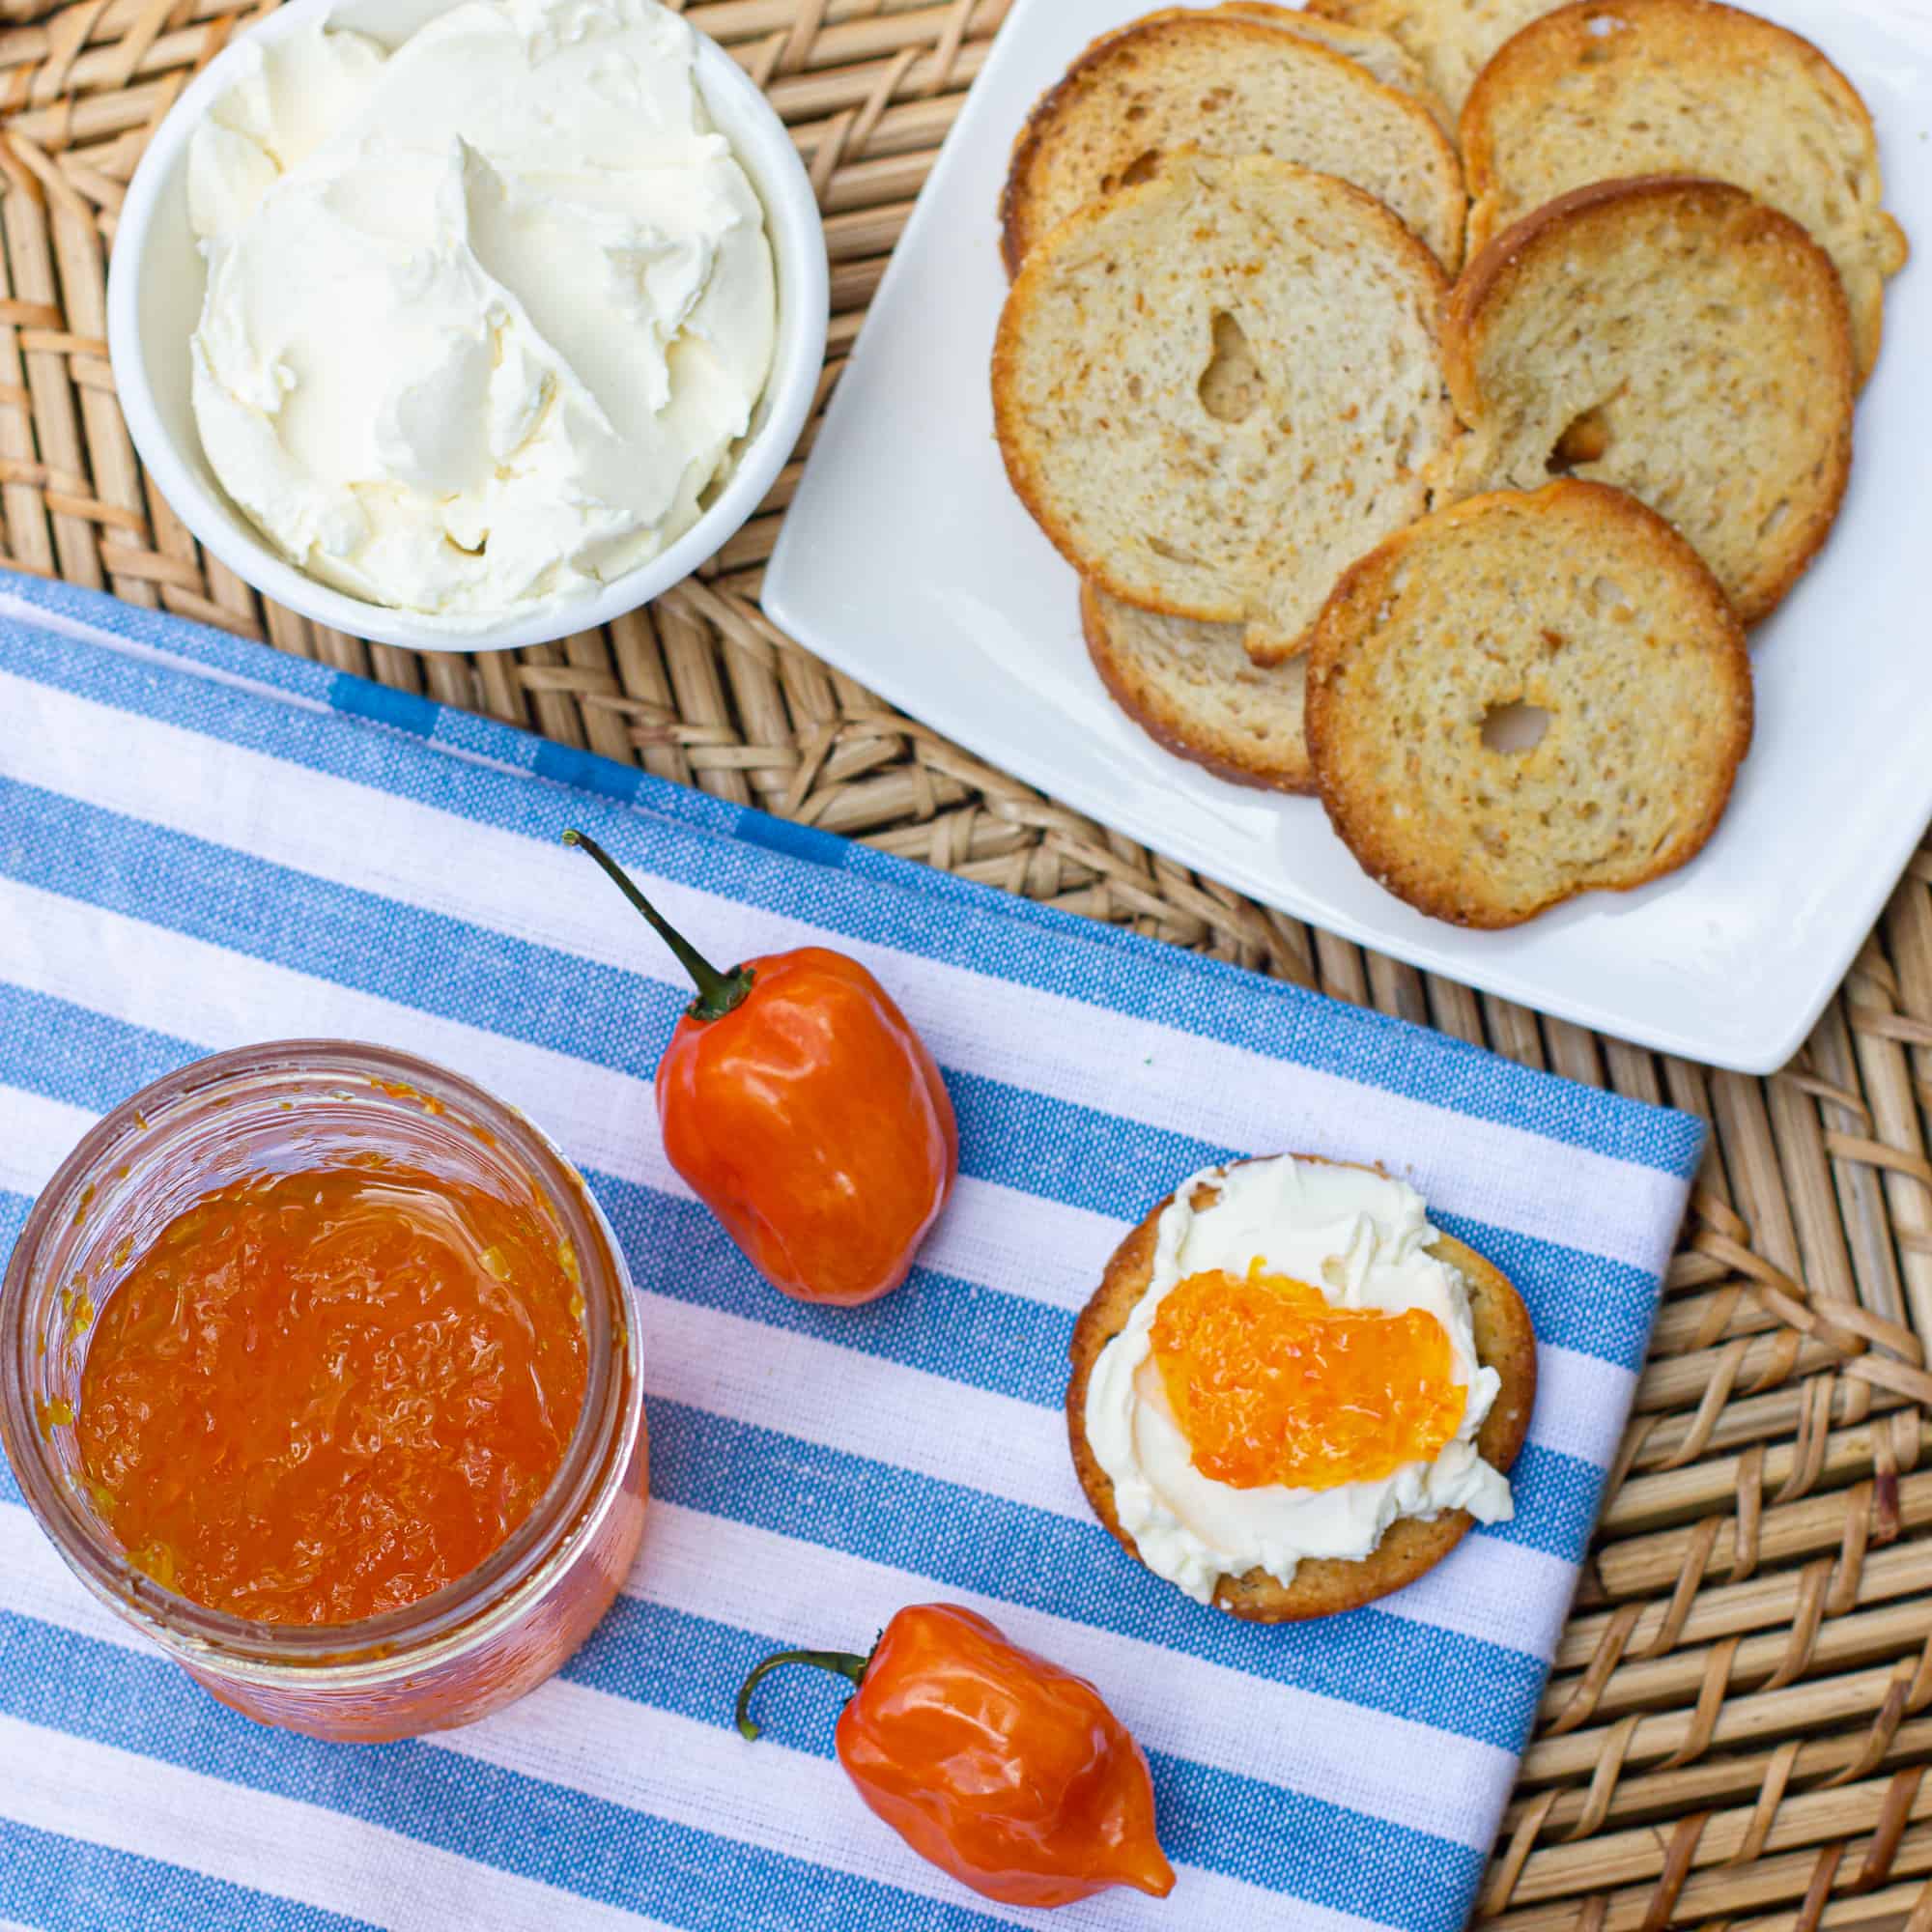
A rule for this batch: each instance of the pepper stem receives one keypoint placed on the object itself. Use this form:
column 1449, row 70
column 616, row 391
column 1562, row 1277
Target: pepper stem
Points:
column 717, row 993
column 846, row 1662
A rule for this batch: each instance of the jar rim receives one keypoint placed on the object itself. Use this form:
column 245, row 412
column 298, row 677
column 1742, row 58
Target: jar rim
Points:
column 608, row 1423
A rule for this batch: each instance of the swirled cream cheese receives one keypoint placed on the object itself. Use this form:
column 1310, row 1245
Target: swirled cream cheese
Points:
column 487, row 314
column 1362, row 1240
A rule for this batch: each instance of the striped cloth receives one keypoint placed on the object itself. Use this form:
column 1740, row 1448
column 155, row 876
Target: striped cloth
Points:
column 204, row 842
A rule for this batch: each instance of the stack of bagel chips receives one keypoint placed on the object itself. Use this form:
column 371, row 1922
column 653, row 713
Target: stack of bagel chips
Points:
column 1467, row 548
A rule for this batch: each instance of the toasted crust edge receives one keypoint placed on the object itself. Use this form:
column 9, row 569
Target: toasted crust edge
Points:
column 1018, row 237
column 1500, row 261
column 1371, row 852
column 1023, row 293
column 1169, row 737
column 1477, row 146
column 1322, row 1587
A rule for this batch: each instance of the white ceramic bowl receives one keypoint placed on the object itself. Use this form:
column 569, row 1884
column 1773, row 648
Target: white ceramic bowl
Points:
column 155, row 287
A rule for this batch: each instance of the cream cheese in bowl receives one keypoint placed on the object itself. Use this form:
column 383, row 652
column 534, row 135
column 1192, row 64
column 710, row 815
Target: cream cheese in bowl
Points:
column 487, row 314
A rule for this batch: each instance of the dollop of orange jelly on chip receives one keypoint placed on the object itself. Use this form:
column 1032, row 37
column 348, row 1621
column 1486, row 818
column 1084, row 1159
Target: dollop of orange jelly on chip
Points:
column 320, row 1396
column 1271, row 1384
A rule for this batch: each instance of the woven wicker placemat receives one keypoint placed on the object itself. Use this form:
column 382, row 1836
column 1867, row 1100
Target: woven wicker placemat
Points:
column 1741, row 1718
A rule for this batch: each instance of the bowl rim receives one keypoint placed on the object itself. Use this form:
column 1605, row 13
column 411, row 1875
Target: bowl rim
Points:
column 793, row 225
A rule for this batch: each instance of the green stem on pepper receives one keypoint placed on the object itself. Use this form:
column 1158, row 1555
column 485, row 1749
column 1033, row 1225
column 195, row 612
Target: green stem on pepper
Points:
column 717, row 993
column 847, row 1663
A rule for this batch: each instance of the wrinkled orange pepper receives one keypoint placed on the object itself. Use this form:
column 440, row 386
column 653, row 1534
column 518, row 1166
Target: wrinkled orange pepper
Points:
column 806, row 1113
column 993, row 1764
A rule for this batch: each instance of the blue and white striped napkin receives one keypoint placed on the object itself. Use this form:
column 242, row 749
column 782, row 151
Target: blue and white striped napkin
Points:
column 204, row 842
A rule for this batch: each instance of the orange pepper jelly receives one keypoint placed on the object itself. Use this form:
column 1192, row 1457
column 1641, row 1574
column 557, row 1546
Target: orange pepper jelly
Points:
column 320, row 1396
column 1271, row 1384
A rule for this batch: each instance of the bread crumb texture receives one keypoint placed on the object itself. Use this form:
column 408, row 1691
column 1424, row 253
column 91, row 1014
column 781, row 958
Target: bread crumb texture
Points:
column 1527, row 697
column 1228, row 83
column 1617, row 88
column 1452, row 40
column 1194, row 690
column 1385, row 57
column 1217, row 390
column 1676, row 338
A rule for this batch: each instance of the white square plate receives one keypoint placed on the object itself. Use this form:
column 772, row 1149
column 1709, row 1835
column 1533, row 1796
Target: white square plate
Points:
column 906, row 562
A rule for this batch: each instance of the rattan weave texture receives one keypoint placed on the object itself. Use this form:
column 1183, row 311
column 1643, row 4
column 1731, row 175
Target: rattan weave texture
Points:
column 1741, row 1722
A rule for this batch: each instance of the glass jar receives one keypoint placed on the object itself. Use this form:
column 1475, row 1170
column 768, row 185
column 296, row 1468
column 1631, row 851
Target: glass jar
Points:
column 461, row 1652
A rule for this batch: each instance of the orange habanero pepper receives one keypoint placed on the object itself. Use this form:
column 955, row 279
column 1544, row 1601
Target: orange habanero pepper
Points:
column 993, row 1764
column 806, row 1113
